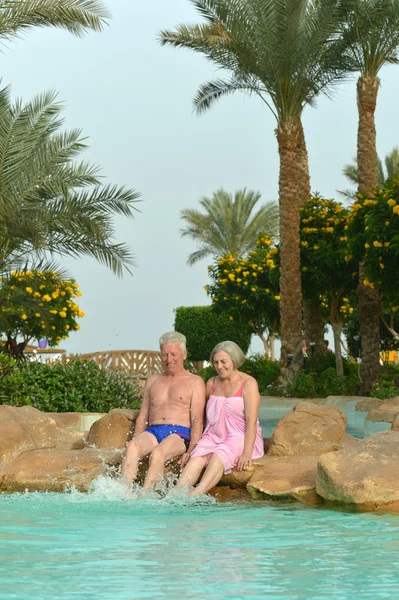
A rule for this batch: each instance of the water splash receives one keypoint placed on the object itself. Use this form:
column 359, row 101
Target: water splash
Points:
column 110, row 489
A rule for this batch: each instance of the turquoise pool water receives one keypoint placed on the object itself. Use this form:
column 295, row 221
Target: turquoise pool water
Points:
column 104, row 546
column 273, row 409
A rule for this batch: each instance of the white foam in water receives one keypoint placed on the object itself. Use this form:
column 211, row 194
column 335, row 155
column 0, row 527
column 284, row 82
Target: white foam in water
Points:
column 111, row 489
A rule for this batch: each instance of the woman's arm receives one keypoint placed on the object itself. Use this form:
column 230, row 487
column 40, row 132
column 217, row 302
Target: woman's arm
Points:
column 251, row 409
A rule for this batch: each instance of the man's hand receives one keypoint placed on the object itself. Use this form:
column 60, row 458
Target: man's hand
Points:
column 244, row 462
column 184, row 459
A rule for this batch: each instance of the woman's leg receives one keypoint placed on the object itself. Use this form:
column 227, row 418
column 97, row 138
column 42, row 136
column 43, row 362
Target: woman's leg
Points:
column 192, row 471
column 213, row 474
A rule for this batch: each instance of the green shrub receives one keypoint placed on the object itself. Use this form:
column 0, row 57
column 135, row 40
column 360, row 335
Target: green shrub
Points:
column 204, row 328
column 327, row 383
column 264, row 370
column 7, row 364
column 385, row 391
column 206, row 373
column 75, row 386
column 326, row 360
column 304, row 386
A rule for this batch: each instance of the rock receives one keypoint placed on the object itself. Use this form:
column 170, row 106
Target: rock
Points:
column 365, row 475
column 386, row 413
column 239, row 479
column 344, row 399
column 368, row 404
column 225, row 494
column 286, row 479
column 70, row 420
column 308, row 430
column 23, row 429
column 266, row 444
column 348, row 440
column 53, row 470
column 70, row 440
column 395, row 424
column 113, row 430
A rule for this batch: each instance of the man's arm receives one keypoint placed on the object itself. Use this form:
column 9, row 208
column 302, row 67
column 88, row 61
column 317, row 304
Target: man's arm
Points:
column 142, row 421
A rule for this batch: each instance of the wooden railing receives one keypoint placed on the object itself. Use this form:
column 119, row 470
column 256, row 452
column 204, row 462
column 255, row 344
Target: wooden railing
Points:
column 136, row 362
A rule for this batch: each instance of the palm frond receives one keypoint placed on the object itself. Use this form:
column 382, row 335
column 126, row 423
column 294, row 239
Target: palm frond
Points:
column 50, row 201
column 228, row 225
column 77, row 16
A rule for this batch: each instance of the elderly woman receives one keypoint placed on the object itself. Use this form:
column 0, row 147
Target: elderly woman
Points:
column 232, row 436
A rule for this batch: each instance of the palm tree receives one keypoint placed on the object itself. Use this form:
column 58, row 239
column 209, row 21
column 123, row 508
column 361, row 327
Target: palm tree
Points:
column 49, row 202
column 371, row 33
column 282, row 52
column 229, row 225
column 77, row 16
column 390, row 171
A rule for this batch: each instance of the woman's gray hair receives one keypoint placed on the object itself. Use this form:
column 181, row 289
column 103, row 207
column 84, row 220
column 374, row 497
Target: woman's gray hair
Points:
column 232, row 349
column 173, row 337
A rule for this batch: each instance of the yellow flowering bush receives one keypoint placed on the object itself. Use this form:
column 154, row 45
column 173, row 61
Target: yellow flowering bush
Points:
column 247, row 288
column 39, row 304
column 374, row 234
column 328, row 269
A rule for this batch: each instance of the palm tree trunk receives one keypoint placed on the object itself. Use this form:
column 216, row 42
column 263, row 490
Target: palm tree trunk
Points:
column 369, row 310
column 367, row 158
column 369, row 301
column 302, row 166
column 291, row 360
column 314, row 327
column 312, row 314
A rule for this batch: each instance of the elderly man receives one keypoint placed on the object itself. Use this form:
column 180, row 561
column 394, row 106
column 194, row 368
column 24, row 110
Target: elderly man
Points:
column 171, row 417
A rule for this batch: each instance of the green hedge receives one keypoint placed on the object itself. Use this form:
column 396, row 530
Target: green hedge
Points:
column 204, row 328
column 75, row 386
column 264, row 370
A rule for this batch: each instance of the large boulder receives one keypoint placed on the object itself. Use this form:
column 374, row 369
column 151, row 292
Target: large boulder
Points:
column 113, row 430
column 239, row 479
column 286, row 479
column 365, row 475
column 55, row 470
column 395, row 424
column 222, row 493
column 368, row 404
column 309, row 430
column 386, row 413
column 69, row 420
column 23, row 429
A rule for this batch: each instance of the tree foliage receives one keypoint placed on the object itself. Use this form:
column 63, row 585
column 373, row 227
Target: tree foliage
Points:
column 77, row 16
column 36, row 304
column 229, row 225
column 374, row 236
column 50, row 202
column 247, row 289
column 204, row 328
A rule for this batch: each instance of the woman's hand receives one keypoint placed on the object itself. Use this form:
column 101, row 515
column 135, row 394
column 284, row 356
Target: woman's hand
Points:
column 184, row 459
column 244, row 462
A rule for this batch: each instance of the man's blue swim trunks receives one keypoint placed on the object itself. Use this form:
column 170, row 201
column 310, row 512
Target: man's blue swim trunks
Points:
column 162, row 431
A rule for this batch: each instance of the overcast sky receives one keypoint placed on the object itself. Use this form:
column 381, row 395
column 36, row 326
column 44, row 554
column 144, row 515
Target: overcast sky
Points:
column 133, row 100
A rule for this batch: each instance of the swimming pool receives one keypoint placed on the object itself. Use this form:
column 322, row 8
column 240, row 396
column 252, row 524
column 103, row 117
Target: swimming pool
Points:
column 103, row 546
column 273, row 409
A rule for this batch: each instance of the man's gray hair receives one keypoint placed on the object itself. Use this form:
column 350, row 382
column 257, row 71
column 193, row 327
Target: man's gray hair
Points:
column 232, row 349
column 173, row 337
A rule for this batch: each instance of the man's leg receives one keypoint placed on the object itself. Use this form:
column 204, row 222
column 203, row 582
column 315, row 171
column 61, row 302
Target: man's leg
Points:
column 171, row 447
column 139, row 447
column 213, row 474
column 192, row 471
